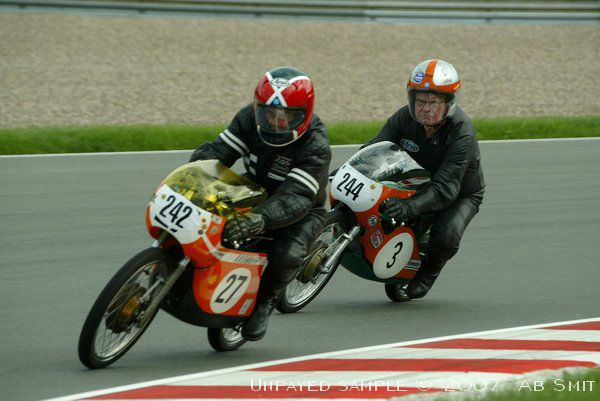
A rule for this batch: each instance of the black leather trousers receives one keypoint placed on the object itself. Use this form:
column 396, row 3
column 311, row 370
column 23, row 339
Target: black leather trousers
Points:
column 447, row 227
column 287, row 251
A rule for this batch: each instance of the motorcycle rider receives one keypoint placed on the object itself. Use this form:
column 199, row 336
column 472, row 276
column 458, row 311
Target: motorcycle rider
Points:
column 441, row 138
column 285, row 149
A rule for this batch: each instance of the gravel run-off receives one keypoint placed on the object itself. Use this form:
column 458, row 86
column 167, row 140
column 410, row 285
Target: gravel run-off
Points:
column 59, row 70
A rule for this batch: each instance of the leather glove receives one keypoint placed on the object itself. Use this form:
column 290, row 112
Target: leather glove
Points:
column 394, row 208
column 243, row 226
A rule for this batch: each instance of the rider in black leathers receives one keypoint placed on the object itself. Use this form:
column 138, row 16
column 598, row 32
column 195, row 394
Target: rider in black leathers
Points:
column 441, row 138
column 285, row 149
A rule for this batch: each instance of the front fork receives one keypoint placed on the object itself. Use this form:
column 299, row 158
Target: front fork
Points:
column 168, row 283
column 338, row 247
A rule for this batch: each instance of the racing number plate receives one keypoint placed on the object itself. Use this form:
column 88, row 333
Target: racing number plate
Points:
column 230, row 290
column 354, row 189
column 178, row 215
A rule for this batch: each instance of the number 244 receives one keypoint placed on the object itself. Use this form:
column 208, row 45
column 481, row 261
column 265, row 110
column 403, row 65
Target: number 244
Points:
column 351, row 187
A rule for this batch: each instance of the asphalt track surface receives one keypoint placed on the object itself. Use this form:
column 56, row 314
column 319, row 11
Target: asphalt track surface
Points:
column 530, row 256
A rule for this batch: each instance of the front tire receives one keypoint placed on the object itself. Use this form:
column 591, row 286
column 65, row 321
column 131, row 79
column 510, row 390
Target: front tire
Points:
column 396, row 293
column 225, row 339
column 309, row 281
column 117, row 318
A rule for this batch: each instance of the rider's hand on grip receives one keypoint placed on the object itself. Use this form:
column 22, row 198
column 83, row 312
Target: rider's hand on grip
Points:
column 394, row 208
column 243, row 226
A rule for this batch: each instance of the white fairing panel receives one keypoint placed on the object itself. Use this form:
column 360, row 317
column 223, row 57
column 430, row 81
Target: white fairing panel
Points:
column 178, row 215
column 392, row 258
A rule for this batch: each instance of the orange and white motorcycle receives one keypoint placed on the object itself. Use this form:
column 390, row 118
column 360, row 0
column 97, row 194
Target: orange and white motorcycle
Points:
column 187, row 272
column 356, row 236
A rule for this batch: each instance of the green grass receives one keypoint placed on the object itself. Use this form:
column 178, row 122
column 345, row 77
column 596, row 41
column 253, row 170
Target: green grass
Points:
column 150, row 137
column 562, row 388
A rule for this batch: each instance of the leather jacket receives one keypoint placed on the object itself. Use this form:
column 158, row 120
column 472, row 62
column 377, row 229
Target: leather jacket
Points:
column 294, row 175
column 451, row 155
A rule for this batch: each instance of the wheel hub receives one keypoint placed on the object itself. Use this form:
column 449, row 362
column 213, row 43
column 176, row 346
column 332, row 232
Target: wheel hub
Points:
column 123, row 319
column 311, row 267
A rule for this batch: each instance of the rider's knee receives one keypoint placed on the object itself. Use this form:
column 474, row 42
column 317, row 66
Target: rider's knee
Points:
column 287, row 257
column 445, row 241
column 284, row 261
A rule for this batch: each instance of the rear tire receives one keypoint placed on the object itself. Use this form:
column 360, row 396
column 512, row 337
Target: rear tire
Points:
column 309, row 282
column 225, row 339
column 396, row 293
column 116, row 320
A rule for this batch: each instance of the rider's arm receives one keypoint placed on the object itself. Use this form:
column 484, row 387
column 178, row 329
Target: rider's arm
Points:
column 294, row 198
column 444, row 187
column 228, row 146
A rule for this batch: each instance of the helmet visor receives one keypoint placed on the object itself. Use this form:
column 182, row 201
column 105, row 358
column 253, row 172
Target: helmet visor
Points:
column 277, row 119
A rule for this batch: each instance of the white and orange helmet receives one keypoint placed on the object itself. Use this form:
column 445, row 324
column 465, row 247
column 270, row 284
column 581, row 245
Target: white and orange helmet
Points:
column 434, row 76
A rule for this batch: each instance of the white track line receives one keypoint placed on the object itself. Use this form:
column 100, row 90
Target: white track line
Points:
column 457, row 353
column 189, row 151
column 547, row 335
column 240, row 369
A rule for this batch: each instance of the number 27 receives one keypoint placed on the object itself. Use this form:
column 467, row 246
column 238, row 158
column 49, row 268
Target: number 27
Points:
column 231, row 280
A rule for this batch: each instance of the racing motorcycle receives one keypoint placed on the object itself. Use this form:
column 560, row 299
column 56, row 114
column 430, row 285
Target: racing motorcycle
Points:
column 187, row 271
column 354, row 234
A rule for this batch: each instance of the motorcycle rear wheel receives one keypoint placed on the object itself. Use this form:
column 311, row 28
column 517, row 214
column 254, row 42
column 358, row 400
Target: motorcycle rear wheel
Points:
column 117, row 318
column 309, row 281
column 225, row 339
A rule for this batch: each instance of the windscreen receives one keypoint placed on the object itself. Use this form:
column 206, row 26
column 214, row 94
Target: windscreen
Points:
column 208, row 182
column 386, row 161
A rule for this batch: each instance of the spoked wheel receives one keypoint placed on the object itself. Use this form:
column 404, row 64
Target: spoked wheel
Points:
column 396, row 293
column 311, row 279
column 118, row 318
column 226, row 339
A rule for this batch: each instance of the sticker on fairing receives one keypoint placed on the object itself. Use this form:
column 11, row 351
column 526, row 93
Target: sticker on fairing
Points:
column 376, row 239
column 354, row 189
column 372, row 220
column 392, row 258
column 230, row 290
column 178, row 215
column 245, row 307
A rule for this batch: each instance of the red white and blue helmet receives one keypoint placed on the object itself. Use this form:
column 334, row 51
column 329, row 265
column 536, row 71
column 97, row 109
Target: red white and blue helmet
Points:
column 434, row 76
column 283, row 103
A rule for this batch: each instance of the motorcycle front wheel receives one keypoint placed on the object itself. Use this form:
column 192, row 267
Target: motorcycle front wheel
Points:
column 225, row 339
column 396, row 293
column 118, row 318
column 310, row 279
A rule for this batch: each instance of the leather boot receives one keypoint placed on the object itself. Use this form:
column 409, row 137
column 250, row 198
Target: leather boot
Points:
column 420, row 285
column 255, row 327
